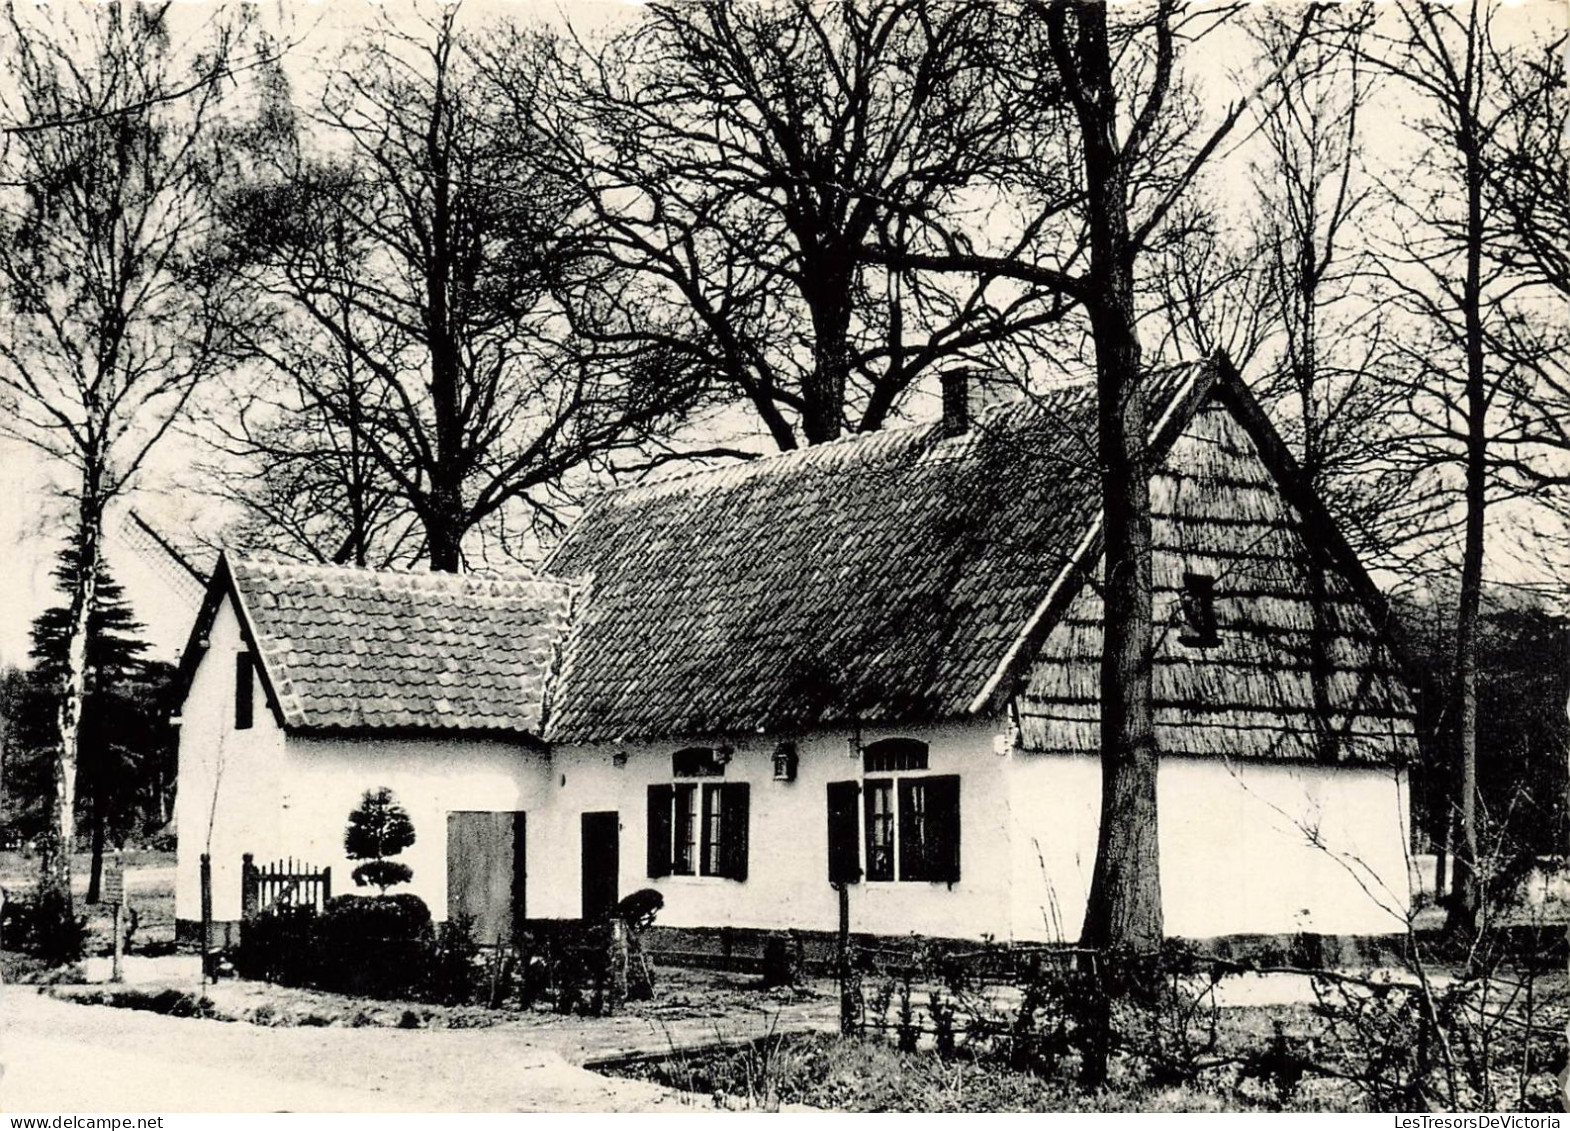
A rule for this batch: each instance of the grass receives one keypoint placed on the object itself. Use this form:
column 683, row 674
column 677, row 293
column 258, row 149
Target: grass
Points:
column 20, row 869
column 830, row 1072
column 153, row 902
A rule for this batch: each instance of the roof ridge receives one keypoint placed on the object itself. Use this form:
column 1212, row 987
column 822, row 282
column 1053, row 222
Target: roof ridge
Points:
column 796, row 457
column 349, row 569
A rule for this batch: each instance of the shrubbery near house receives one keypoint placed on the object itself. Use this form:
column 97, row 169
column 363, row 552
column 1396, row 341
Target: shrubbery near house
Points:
column 372, row 946
column 43, row 927
column 379, row 828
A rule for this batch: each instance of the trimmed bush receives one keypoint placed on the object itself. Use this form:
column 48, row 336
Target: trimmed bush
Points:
column 280, row 945
column 782, row 959
column 368, row 946
column 375, row 946
column 381, row 874
column 379, row 828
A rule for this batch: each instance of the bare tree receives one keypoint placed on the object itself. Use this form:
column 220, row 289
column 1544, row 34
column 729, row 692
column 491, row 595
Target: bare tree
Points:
column 1526, row 174
column 1527, row 179
column 740, row 161
column 1322, row 287
column 1464, row 391
column 421, row 247
column 289, row 446
column 1140, row 146
column 109, row 284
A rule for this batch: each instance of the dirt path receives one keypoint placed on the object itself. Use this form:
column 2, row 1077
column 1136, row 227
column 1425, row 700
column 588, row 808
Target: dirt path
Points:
column 62, row 1057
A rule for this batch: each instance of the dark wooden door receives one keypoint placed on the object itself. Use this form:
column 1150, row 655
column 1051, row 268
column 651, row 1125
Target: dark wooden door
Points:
column 487, row 871
column 601, row 863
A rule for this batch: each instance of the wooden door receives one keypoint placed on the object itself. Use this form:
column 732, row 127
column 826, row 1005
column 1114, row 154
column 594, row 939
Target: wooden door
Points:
column 601, row 863
column 486, row 871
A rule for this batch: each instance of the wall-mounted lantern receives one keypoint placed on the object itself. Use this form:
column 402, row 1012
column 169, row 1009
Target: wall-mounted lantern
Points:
column 785, row 760
column 619, row 759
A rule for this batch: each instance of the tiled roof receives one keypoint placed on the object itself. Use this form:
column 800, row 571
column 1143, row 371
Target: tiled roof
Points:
column 346, row 648
column 883, row 577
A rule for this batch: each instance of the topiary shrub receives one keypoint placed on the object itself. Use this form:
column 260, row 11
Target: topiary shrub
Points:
column 375, row 946
column 379, row 828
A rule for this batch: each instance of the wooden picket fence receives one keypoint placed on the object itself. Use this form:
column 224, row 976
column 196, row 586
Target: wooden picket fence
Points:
column 284, row 883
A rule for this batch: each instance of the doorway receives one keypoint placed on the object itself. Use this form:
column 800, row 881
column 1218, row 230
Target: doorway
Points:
column 486, row 872
column 601, row 863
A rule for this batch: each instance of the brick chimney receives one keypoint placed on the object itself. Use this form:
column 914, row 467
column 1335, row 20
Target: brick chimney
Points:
column 956, row 402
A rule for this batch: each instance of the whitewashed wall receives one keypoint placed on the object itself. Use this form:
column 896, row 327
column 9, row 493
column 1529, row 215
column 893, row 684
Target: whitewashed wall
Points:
column 325, row 778
column 787, row 883
column 230, row 780
column 1246, row 847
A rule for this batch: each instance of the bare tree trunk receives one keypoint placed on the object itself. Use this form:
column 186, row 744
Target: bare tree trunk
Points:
column 444, row 530
column 1464, row 907
column 445, row 524
column 823, row 392
column 62, row 832
column 1124, row 907
column 95, row 875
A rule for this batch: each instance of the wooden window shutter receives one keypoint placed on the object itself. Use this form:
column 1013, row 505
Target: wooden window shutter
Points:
column 844, row 832
column 943, row 828
column 734, row 805
column 244, row 690
column 659, row 830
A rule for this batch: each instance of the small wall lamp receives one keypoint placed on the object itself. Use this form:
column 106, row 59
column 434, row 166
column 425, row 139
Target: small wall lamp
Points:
column 785, row 761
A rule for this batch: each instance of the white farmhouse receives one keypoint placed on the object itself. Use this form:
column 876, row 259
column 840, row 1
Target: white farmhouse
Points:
column 874, row 661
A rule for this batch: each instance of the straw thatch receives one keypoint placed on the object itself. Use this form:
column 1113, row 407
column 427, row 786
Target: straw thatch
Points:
column 883, row 578
column 898, row 578
column 1301, row 668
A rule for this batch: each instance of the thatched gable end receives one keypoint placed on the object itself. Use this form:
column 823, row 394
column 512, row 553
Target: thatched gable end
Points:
column 1298, row 670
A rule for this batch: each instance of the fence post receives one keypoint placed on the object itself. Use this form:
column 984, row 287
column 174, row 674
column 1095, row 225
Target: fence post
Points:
column 849, row 993
column 207, row 917
column 327, row 885
column 248, row 886
column 616, row 996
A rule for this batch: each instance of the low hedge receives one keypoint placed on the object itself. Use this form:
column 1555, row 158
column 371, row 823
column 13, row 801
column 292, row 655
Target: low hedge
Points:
column 381, row 946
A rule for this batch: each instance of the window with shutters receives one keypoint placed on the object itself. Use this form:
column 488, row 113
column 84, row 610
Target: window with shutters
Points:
column 244, row 690
column 903, row 827
column 698, row 830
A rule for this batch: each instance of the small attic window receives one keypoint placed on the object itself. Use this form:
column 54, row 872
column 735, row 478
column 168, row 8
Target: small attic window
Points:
column 892, row 755
column 244, row 689
column 697, row 762
column 1199, row 611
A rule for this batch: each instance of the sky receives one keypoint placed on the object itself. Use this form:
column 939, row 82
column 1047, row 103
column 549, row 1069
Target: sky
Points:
column 33, row 511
